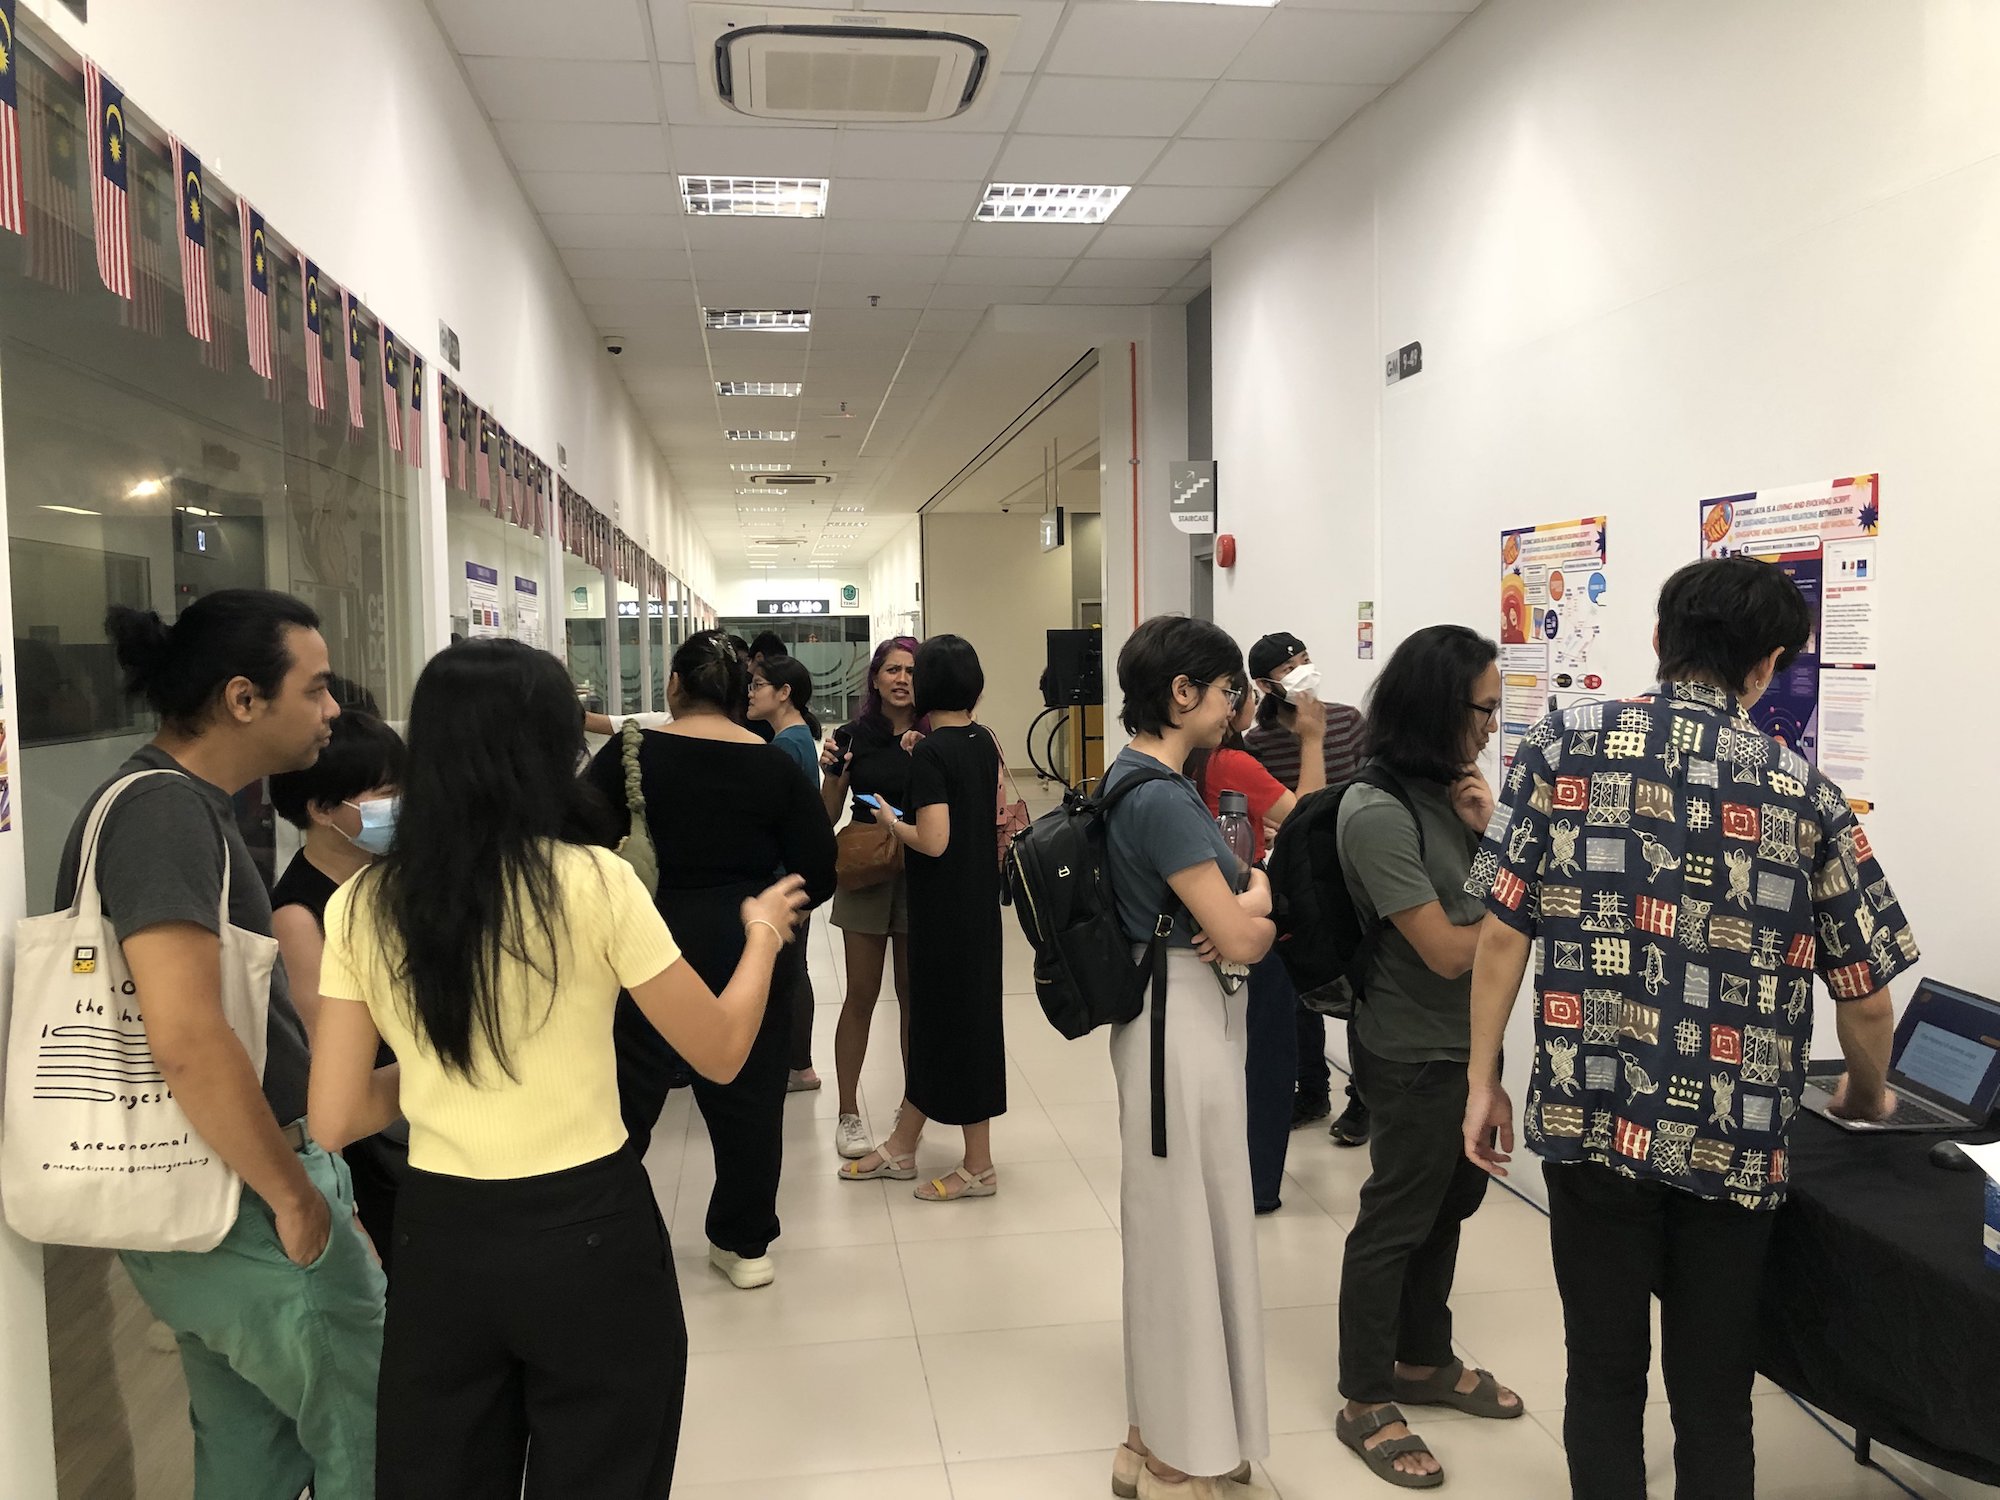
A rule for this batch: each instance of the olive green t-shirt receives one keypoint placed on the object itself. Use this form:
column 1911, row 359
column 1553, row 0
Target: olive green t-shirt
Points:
column 1409, row 1013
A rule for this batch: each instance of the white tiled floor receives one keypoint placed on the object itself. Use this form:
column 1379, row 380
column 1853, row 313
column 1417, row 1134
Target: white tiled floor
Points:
column 971, row 1351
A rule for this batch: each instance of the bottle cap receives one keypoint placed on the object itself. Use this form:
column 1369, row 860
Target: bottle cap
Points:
column 1233, row 802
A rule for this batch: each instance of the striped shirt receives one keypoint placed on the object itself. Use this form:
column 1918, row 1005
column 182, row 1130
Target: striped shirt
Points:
column 1278, row 748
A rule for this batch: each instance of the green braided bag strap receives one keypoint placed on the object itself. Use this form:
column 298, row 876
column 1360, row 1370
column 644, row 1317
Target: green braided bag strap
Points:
column 636, row 849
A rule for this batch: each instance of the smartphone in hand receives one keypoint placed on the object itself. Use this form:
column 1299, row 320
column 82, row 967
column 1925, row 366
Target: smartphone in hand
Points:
column 880, row 806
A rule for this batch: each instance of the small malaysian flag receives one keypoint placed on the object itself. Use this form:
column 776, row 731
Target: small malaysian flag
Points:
column 193, row 239
column 484, row 471
column 463, row 451
column 447, row 404
column 215, row 354
column 13, row 207
column 315, row 335
column 105, row 102
column 348, row 309
column 392, row 393
column 147, row 310
column 256, row 287
column 413, row 438
column 55, row 248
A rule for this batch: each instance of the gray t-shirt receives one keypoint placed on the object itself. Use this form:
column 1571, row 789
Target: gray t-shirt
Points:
column 160, row 860
column 1158, row 830
column 1409, row 1013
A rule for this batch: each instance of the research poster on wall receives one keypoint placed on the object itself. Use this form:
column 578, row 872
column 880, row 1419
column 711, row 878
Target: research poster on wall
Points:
column 482, row 601
column 527, row 612
column 1824, row 536
column 1553, row 581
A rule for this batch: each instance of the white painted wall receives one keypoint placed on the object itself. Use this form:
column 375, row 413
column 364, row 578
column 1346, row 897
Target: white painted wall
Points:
column 1653, row 253
column 895, row 579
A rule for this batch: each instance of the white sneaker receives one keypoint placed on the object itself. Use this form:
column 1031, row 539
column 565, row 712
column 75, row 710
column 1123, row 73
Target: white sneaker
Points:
column 850, row 1138
column 745, row 1274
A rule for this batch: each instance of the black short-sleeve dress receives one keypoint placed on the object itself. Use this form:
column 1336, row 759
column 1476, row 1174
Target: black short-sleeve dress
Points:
column 958, row 1058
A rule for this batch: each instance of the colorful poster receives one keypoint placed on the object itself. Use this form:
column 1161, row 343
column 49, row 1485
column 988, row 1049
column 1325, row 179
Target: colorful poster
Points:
column 1553, row 580
column 1824, row 536
column 482, row 601
column 527, row 612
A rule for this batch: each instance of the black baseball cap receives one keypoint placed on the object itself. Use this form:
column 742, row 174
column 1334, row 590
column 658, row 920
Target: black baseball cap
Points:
column 1273, row 651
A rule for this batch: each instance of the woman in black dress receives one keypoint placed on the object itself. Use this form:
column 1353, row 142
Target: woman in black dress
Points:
column 728, row 814
column 957, row 1063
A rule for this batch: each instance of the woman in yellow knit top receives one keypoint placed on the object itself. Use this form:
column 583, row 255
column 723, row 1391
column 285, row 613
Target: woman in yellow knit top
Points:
column 535, row 1329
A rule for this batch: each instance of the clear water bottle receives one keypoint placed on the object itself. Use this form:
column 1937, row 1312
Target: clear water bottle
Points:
column 1233, row 822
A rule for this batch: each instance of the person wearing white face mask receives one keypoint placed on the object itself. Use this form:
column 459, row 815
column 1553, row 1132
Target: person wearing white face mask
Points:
column 1306, row 744
column 345, row 805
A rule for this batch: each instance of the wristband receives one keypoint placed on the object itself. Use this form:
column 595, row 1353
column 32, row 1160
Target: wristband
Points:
column 761, row 922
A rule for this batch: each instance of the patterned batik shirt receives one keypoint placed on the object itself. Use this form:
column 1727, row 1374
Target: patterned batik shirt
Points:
column 1683, row 876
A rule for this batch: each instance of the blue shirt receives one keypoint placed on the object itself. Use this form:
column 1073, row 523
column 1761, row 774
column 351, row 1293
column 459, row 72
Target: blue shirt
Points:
column 797, row 742
column 1684, row 876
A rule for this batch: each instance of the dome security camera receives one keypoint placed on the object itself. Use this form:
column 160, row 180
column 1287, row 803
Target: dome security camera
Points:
column 614, row 344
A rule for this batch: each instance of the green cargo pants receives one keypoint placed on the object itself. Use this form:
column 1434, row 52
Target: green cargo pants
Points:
column 281, row 1359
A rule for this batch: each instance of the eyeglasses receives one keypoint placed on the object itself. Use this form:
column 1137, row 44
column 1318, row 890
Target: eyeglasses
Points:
column 1234, row 695
column 1487, row 711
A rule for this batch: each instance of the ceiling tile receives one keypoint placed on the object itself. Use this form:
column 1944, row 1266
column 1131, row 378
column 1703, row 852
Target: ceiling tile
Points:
column 1148, row 41
column 900, row 321
column 1200, row 276
column 1038, row 24
column 1105, row 296
column 1117, row 160
column 900, row 293
column 608, row 291
column 1027, row 239
column 1187, row 205
column 957, row 319
column 880, row 273
column 888, row 154
column 1401, row 7
column 640, row 265
column 999, row 101
column 1153, row 273
column 1006, row 270
column 707, row 151
column 892, row 239
column 1278, row 111
column 1149, row 242
column 1110, row 106
column 1229, row 163
column 602, row 29
column 601, row 192
column 563, row 146
column 729, row 292
column 534, row 89
column 614, row 231
column 755, row 266
column 1179, row 296
column 877, row 200
column 1365, row 47
column 757, row 236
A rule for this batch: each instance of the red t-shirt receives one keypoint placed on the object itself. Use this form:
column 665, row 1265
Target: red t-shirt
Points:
column 1240, row 771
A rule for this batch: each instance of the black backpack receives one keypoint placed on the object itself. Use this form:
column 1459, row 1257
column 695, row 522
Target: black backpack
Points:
column 1325, row 946
column 1084, row 974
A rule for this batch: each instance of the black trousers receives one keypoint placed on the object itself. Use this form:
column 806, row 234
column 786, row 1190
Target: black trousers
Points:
column 378, row 1166
column 1270, row 1068
column 1617, row 1242
column 802, row 1002
column 534, row 1327
column 745, row 1117
column 1315, row 1073
column 1402, row 1254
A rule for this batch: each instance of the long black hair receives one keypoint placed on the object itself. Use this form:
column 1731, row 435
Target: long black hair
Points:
column 469, row 885
column 182, row 668
column 713, row 672
column 1421, row 705
column 783, row 671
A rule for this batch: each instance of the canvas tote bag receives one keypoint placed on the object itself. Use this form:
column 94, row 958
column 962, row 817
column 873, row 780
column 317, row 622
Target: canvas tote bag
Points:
column 96, row 1150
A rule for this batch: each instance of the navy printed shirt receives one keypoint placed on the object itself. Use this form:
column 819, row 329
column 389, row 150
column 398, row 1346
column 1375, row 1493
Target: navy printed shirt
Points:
column 1684, row 876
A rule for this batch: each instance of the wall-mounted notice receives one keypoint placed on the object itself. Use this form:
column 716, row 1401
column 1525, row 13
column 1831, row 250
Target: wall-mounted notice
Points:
column 527, row 612
column 1364, row 631
column 1552, row 588
column 482, row 601
column 1824, row 536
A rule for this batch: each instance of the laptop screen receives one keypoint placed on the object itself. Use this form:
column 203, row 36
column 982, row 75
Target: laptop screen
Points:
column 1949, row 1046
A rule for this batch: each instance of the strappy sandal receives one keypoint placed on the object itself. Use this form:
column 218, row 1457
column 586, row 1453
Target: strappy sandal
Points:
column 895, row 1168
column 1381, row 1459
column 1441, row 1389
column 1128, row 1461
column 983, row 1185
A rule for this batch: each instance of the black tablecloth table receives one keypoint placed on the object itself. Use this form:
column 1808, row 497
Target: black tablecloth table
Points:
column 1878, row 1307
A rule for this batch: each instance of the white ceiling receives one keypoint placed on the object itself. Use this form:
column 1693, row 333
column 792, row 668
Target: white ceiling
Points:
column 1202, row 108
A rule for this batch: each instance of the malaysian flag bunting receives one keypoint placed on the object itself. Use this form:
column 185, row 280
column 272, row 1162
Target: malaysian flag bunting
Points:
column 13, row 209
column 193, row 240
column 484, row 471
column 392, row 386
column 309, row 278
column 147, row 309
column 256, row 286
column 463, row 447
column 108, row 175
column 447, row 404
column 55, row 238
column 413, row 438
column 349, row 310
column 504, row 487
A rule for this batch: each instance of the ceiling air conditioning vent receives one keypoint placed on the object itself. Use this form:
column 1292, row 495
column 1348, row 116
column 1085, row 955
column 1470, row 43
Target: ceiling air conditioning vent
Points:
column 847, row 67
column 790, row 481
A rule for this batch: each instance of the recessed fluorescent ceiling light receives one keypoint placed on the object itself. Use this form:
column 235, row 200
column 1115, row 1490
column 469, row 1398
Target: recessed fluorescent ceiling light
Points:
column 1265, row 4
column 145, row 489
column 72, row 510
column 758, row 387
column 756, row 197
column 758, row 435
column 759, row 469
column 1063, row 203
column 758, row 320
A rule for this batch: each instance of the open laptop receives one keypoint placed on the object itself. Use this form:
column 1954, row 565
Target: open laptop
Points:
column 1944, row 1069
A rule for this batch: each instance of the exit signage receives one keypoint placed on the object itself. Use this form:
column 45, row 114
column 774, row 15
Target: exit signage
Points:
column 794, row 606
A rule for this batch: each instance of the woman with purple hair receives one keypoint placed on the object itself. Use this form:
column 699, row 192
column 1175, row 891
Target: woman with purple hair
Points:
column 870, row 758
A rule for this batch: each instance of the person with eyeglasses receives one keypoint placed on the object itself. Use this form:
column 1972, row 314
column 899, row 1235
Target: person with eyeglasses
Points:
column 1406, row 859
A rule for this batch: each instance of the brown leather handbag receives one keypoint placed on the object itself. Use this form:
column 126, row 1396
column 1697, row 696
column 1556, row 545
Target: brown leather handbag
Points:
column 866, row 855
